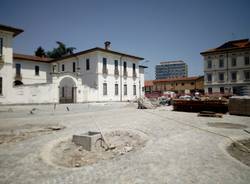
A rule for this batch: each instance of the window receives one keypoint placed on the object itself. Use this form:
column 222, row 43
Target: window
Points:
column 116, row 89
column 18, row 69
column 221, row 63
column 74, row 67
column 116, row 64
column 233, row 62
column 1, row 47
column 182, row 84
column 234, row 76
column 210, row 90
column 134, row 89
column 209, row 77
column 192, row 83
column 134, row 66
column 222, row 90
column 125, row 89
column 63, row 68
column 247, row 75
column 54, row 68
column 221, row 76
column 104, row 65
column 87, row 64
column 209, row 64
column 125, row 67
column 116, row 67
column 1, row 86
column 36, row 70
column 247, row 60
column 105, row 90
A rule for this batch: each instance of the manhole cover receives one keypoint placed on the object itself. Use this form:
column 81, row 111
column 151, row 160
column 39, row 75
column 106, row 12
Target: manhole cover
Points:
column 67, row 154
column 226, row 125
column 240, row 153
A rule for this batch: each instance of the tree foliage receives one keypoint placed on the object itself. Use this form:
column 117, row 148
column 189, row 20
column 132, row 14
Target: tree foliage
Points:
column 40, row 52
column 60, row 51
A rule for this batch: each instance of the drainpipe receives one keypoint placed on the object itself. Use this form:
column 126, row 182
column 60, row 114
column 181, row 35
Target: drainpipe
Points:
column 121, row 78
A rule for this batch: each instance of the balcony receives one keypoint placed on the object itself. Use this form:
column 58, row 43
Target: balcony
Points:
column 105, row 70
column 125, row 73
column 221, row 81
column 116, row 72
column 18, row 77
column 134, row 75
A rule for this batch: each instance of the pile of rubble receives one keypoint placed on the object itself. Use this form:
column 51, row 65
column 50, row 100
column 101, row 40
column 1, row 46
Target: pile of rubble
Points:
column 91, row 147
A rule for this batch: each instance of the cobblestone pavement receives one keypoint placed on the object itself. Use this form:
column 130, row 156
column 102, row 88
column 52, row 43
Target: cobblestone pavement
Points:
column 181, row 147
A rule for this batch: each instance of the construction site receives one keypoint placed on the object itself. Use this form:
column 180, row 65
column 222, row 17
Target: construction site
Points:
column 130, row 142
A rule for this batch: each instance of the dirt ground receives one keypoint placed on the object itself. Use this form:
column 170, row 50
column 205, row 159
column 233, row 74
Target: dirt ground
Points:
column 155, row 145
column 16, row 134
column 120, row 142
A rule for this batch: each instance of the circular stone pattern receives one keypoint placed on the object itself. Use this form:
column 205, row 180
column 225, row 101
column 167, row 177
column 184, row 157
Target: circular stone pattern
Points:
column 67, row 154
column 239, row 152
column 226, row 125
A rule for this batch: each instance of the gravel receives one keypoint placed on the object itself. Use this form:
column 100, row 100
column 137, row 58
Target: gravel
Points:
column 180, row 147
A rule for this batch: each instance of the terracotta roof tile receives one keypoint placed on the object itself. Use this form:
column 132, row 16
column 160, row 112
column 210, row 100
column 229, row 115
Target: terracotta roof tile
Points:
column 230, row 45
column 31, row 58
column 178, row 79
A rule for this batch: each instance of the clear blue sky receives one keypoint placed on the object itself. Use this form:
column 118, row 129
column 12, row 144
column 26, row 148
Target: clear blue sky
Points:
column 157, row 30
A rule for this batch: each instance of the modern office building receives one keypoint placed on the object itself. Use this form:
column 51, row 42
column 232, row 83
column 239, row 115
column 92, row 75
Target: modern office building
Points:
column 171, row 69
column 227, row 68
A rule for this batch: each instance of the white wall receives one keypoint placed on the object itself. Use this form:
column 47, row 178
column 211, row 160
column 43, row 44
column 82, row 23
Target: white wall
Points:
column 36, row 93
column 6, row 66
column 28, row 71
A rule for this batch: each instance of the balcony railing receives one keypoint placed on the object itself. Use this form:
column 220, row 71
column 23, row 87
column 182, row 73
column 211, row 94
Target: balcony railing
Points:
column 134, row 75
column 116, row 72
column 18, row 77
column 1, row 59
column 105, row 71
column 125, row 73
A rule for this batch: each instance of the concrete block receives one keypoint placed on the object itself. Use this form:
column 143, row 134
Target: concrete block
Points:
column 89, row 140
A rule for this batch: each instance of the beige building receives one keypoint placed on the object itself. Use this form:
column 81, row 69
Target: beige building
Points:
column 227, row 68
column 182, row 85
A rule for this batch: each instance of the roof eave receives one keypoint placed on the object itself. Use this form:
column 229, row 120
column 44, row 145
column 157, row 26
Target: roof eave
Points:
column 223, row 50
column 15, row 31
column 97, row 49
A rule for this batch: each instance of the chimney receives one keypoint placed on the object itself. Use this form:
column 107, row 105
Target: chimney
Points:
column 107, row 45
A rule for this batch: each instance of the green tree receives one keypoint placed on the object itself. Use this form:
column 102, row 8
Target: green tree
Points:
column 60, row 51
column 40, row 52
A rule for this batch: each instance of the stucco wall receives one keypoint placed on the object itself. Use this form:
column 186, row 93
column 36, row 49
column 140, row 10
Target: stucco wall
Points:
column 37, row 93
column 28, row 72
column 6, row 66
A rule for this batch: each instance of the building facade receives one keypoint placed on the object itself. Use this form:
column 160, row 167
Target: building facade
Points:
column 183, row 85
column 227, row 68
column 97, row 74
column 171, row 69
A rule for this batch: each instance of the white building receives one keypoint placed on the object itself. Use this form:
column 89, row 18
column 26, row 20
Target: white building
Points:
column 96, row 74
column 227, row 68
